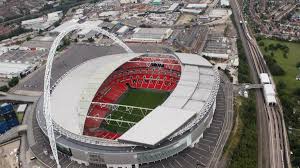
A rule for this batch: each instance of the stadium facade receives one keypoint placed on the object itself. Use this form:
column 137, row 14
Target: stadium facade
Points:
column 80, row 104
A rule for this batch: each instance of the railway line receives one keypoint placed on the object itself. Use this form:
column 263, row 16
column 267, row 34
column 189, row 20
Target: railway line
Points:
column 278, row 148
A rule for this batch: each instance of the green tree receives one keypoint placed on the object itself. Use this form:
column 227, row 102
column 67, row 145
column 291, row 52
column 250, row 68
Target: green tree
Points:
column 91, row 40
column 4, row 88
column 297, row 92
column 261, row 43
column 13, row 82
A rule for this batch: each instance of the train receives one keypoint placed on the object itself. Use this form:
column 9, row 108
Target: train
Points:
column 268, row 89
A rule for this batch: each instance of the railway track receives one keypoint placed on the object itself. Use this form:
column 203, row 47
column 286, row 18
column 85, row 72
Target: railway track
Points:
column 278, row 144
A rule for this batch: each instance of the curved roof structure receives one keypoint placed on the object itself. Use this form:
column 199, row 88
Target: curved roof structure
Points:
column 75, row 90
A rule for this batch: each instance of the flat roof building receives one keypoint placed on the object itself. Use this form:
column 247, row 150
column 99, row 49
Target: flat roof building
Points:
column 196, row 6
column 173, row 7
column 128, row 1
column 150, row 34
column 10, row 70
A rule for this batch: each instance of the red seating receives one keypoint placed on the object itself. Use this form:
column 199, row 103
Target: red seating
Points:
column 137, row 74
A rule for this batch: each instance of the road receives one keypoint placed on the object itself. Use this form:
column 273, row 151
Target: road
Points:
column 273, row 148
column 17, row 98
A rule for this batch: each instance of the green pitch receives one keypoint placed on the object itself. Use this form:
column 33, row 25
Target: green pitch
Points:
column 134, row 97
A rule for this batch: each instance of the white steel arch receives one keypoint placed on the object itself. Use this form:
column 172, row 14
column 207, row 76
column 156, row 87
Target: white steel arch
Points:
column 47, row 78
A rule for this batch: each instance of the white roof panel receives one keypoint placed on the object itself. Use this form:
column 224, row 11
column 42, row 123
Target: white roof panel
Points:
column 194, row 105
column 190, row 76
column 206, row 79
column 152, row 129
column 193, row 59
column 183, row 91
column 175, row 102
column 201, row 94
column 69, row 102
column 189, row 68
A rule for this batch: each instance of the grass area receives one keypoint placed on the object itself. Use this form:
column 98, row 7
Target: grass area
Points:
column 235, row 135
column 20, row 117
column 286, row 86
column 287, row 63
column 242, row 144
column 143, row 98
column 134, row 97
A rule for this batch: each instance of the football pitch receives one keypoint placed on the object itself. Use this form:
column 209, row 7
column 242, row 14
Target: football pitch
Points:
column 134, row 97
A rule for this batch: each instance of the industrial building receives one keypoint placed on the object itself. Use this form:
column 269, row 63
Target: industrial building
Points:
column 123, row 30
column 197, row 6
column 128, row 1
column 225, row 3
column 39, row 43
column 173, row 7
column 43, row 22
column 63, row 26
column 154, row 35
column 191, row 11
column 10, row 70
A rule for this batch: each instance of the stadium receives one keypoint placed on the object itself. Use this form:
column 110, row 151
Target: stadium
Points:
column 129, row 110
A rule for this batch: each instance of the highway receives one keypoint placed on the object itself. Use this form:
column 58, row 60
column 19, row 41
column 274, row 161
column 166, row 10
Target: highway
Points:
column 273, row 147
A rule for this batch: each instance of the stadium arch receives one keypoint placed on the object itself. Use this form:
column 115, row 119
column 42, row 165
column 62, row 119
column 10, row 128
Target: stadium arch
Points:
column 47, row 78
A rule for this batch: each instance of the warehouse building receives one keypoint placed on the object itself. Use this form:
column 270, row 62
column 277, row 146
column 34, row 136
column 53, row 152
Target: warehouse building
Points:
column 154, row 35
column 197, row 6
column 225, row 3
column 128, row 1
column 43, row 22
column 10, row 70
column 123, row 30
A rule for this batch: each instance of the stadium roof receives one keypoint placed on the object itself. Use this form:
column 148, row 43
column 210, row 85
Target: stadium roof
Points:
column 157, row 125
column 189, row 98
column 72, row 103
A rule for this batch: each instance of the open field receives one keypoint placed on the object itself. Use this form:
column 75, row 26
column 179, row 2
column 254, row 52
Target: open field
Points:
column 134, row 97
column 288, row 64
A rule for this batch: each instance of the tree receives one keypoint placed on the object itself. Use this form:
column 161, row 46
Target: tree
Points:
column 66, row 41
column 297, row 92
column 281, row 85
column 4, row 88
column 91, row 40
column 13, row 82
column 261, row 43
